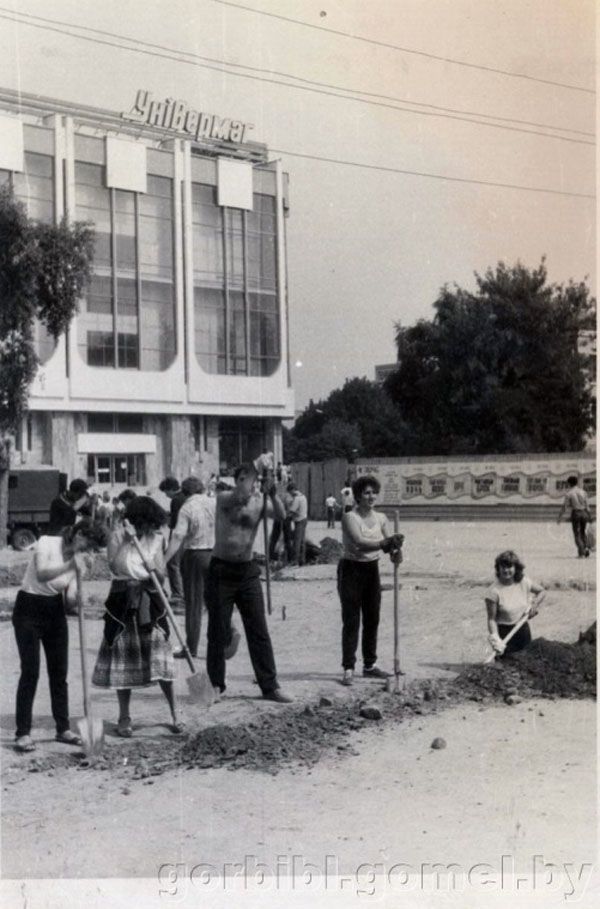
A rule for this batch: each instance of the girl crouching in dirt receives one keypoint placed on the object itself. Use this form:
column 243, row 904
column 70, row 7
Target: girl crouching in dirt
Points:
column 135, row 651
column 507, row 601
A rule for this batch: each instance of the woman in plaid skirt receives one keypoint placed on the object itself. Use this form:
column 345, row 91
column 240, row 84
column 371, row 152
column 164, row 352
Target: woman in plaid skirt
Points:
column 135, row 651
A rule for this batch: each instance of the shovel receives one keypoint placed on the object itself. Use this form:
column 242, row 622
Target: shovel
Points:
column 91, row 730
column 510, row 635
column 266, row 537
column 199, row 685
column 397, row 671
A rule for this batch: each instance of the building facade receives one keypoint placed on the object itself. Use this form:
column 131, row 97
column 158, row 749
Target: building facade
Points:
column 177, row 361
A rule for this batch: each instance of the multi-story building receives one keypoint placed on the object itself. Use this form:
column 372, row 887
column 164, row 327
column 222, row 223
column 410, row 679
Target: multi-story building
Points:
column 177, row 361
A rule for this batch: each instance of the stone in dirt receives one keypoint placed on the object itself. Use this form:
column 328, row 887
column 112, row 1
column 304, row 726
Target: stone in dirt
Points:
column 371, row 713
column 438, row 743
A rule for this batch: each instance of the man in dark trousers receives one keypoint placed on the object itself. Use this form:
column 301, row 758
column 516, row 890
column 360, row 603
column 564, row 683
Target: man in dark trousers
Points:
column 576, row 502
column 234, row 580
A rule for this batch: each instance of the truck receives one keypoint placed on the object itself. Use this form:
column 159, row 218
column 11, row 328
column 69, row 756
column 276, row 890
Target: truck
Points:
column 30, row 493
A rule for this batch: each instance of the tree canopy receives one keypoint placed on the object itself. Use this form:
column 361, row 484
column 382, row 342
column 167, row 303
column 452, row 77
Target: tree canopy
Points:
column 43, row 270
column 498, row 370
column 357, row 419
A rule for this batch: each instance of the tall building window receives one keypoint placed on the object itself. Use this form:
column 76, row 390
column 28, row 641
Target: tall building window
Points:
column 236, row 314
column 240, row 440
column 128, row 316
column 35, row 188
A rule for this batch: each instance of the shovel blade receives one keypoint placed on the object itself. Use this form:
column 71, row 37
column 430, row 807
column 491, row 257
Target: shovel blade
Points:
column 200, row 689
column 91, row 732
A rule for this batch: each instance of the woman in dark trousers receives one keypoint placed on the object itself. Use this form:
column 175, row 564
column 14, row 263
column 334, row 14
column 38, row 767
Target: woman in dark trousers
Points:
column 365, row 533
column 39, row 618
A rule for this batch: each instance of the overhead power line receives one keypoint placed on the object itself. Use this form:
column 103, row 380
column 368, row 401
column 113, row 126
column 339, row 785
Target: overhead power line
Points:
column 431, row 176
column 343, row 88
column 177, row 57
column 405, row 50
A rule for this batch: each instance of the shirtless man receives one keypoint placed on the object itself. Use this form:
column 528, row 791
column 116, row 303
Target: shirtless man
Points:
column 234, row 580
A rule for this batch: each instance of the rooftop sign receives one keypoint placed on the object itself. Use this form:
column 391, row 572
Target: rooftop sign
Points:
column 176, row 115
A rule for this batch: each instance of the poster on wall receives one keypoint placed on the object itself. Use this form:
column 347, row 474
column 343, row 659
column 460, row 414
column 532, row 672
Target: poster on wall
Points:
column 542, row 481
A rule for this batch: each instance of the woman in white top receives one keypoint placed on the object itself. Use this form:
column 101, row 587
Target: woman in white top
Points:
column 365, row 533
column 508, row 600
column 39, row 618
column 135, row 651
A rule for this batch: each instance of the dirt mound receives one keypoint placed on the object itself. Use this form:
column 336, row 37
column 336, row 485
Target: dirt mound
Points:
column 272, row 741
column 546, row 668
column 330, row 551
column 302, row 735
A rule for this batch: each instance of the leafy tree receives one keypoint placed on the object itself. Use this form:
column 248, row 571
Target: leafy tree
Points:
column 337, row 439
column 498, row 370
column 43, row 271
column 359, row 417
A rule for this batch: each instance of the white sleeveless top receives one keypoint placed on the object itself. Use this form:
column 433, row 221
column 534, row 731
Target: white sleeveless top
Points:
column 372, row 534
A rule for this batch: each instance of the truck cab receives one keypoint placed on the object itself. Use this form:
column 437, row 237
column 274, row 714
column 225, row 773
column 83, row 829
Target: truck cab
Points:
column 30, row 493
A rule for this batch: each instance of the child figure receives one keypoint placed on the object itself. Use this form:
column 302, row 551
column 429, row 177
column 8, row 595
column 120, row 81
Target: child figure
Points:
column 507, row 601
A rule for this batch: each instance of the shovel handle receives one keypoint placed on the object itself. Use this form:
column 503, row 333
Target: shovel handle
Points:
column 163, row 598
column 510, row 634
column 266, row 544
column 397, row 671
column 82, row 647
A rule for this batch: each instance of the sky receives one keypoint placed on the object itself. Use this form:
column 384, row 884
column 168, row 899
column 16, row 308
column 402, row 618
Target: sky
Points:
column 402, row 205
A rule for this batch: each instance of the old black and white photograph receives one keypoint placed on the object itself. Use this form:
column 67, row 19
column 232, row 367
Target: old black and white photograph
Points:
column 298, row 558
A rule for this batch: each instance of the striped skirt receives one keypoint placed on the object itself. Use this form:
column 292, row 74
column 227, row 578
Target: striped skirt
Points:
column 137, row 658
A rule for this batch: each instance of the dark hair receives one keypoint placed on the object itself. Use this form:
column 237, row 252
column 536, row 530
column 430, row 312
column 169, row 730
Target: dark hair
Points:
column 359, row 486
column 146, row 515
column 248, row 468
column 78, row 488
column 508, row 557
column 572, row 481
column 291, row 486
column 192, row 485
column 94, row 531
column 127, row 496
column 169, row 484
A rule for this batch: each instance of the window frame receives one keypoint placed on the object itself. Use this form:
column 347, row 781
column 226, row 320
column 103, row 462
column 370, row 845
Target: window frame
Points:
column 251, row 290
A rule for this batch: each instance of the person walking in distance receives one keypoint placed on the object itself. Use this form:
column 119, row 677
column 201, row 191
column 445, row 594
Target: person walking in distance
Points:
column 576, row 502
column 170, row 487
column 234, row 580
column 331, row 505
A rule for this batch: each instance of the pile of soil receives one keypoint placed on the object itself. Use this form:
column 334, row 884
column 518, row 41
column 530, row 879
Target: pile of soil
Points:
column 300, row 736
column 330, row 551
column 544, row 668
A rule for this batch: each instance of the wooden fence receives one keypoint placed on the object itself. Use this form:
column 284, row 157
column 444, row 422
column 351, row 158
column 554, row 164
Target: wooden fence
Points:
column 317, row 480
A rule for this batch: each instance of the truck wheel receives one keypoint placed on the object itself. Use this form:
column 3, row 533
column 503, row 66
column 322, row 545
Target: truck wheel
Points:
column 22, row 538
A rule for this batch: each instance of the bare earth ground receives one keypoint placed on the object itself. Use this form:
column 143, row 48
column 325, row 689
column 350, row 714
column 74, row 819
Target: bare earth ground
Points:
column 517, row 782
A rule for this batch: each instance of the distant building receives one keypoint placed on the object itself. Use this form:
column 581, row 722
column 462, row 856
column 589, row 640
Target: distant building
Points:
column 177, row 361
column 383, row 371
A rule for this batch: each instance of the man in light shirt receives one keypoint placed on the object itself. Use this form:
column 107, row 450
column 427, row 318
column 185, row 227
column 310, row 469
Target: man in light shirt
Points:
column 297, row 510
column 576, row 502
column 195, row 531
